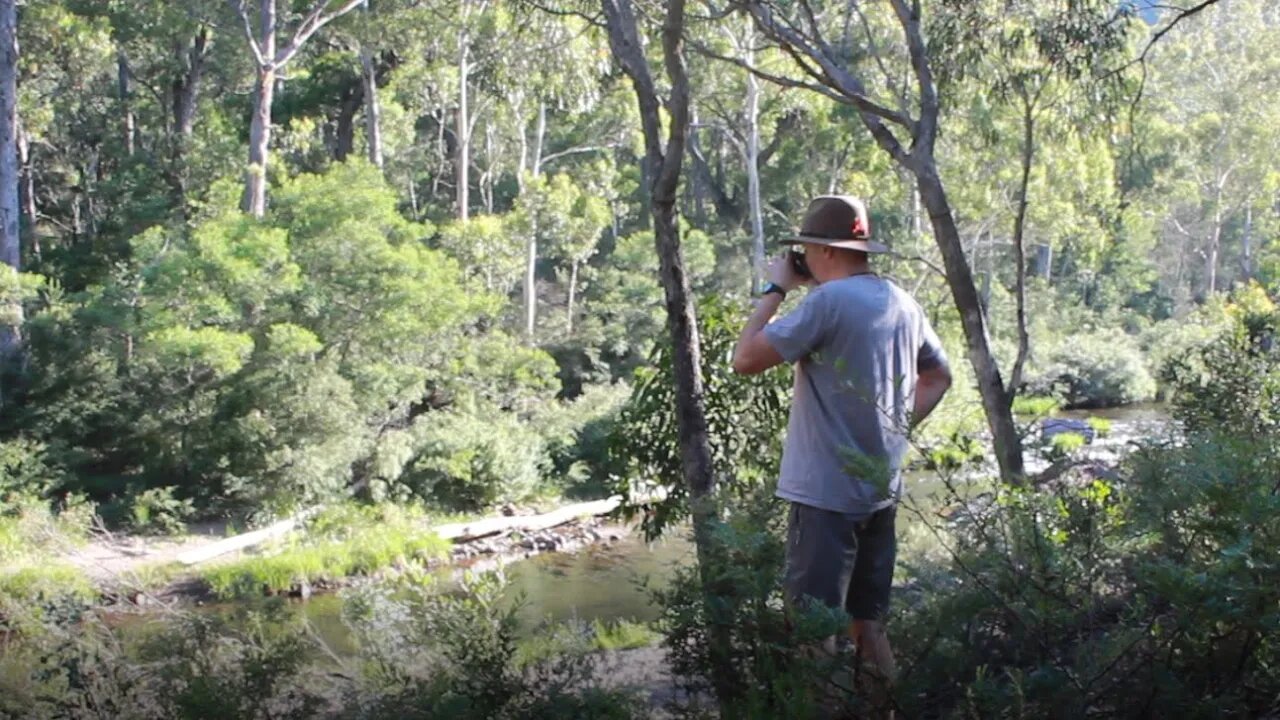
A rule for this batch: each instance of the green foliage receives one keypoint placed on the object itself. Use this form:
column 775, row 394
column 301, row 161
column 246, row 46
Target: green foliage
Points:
column 31, row 587
column 342, row 543
column 430, row 654
column 25, row 469
column 157, row 510
column 1064, row 445
column 577, row 435
column 773, row 664
column 1101, row 426
column 245, row 361
column 746, row 416
column 1031, row 407
column 473, row 460
column 1100, row 369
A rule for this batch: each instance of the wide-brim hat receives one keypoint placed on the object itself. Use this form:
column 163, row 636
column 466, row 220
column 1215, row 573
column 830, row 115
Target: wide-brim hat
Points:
column 839, row 221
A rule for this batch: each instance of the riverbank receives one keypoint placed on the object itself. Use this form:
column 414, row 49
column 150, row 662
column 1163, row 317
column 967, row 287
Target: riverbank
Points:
column 338, row 546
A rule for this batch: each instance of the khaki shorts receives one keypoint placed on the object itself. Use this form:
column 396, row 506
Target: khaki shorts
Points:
column 842, row 560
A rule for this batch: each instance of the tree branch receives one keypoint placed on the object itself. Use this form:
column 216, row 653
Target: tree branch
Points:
column 238, row 7
column 315, row 19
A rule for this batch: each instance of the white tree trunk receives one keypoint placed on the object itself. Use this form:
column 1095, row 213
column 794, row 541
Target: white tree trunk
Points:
column 126, row 103
column 27, row 192
column 255, row 180
column 372, row 108
column 463, row 132
column 530, row 286
column 753, row 175
column 10, row 241
column 531, row 256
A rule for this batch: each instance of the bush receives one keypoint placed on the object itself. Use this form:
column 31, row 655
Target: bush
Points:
column 470, row 461
column 428, row 654
column 577, row 436
column 157, row 511
column 1105, row 368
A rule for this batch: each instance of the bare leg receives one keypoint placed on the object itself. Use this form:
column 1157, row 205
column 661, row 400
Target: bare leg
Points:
column 873, row 646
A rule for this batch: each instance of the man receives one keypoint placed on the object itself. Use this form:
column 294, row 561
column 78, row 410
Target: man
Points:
column 867, row 368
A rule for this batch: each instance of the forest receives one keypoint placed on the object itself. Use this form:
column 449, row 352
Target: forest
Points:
column 375, row 267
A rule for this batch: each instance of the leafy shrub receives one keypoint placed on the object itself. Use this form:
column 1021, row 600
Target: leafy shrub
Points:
column 746, row 419
column 428, row 654
column 1065, row 444
column 471, row 461
column 1101, row 426
column 1030, row 406
column 577, row 435
column 1100, row 369
column 1148, row 597
column 156, row 510
column 26, row 469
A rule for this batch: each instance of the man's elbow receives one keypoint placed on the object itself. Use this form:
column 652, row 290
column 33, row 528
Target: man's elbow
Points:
column 743, row 366
column 939, row 378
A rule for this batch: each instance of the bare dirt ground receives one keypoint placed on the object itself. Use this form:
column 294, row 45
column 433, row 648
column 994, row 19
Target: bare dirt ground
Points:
column 110, row 557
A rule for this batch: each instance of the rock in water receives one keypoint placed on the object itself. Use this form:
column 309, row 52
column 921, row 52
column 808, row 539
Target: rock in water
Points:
column 1057, row 426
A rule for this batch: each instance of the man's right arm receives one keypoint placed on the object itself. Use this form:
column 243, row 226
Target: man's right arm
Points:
column 931, row 385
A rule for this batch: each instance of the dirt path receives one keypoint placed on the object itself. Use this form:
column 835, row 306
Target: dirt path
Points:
column 110, row 557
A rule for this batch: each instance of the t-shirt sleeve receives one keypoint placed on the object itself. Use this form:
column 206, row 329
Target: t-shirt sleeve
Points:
column 801, row 331
column 930, row 355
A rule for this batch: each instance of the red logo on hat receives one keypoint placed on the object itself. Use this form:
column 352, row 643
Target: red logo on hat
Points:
column 859, row 230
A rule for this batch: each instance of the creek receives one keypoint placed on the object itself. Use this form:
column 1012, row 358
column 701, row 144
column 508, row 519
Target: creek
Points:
column 606, row 581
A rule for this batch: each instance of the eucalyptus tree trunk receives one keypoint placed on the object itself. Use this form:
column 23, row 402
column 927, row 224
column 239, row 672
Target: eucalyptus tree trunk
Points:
column 269, row 58
column 372, row 108
column 462, row 162
column 27, row 193
column 184, row 96
column 10, row 240
column 254, row 201
column 752, row 113
column 1019, row 240
column 531, row 243
column 663, row 166
column 125, row 90
column 573, row 291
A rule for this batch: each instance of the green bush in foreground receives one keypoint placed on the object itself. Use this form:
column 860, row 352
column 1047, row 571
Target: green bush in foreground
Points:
column 419, row 653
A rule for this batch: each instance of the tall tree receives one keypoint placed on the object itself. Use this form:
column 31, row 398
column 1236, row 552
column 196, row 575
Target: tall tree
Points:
column 663, row 160
column 269, row 58
column 10, row 241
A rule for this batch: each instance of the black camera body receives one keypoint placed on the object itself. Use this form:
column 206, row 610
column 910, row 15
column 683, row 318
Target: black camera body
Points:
column 798, row 265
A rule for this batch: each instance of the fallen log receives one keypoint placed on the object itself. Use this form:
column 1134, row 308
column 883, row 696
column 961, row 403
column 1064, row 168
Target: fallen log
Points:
column 457, row 532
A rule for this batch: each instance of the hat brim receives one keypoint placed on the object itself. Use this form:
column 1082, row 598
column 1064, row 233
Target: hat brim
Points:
column 867, row 246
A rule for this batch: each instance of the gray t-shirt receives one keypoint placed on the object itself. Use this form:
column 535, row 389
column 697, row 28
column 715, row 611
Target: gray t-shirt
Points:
column 858, row 344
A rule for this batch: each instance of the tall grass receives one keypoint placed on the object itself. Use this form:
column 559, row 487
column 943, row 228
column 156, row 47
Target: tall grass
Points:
column 344, row 542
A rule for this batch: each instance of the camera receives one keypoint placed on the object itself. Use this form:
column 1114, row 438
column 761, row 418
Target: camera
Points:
column 798, row 265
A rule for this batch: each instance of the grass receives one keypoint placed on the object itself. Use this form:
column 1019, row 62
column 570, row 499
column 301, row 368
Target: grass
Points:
column 1027, row 406
column 580, row 637
column 37, row 584
column 1101, row 426
column 623, row 634
column 342, row 542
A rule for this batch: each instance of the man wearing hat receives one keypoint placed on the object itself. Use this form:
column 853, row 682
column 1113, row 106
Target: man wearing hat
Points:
column 868, row 367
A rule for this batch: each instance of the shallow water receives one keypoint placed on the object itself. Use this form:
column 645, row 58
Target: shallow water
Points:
column 607, row 581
